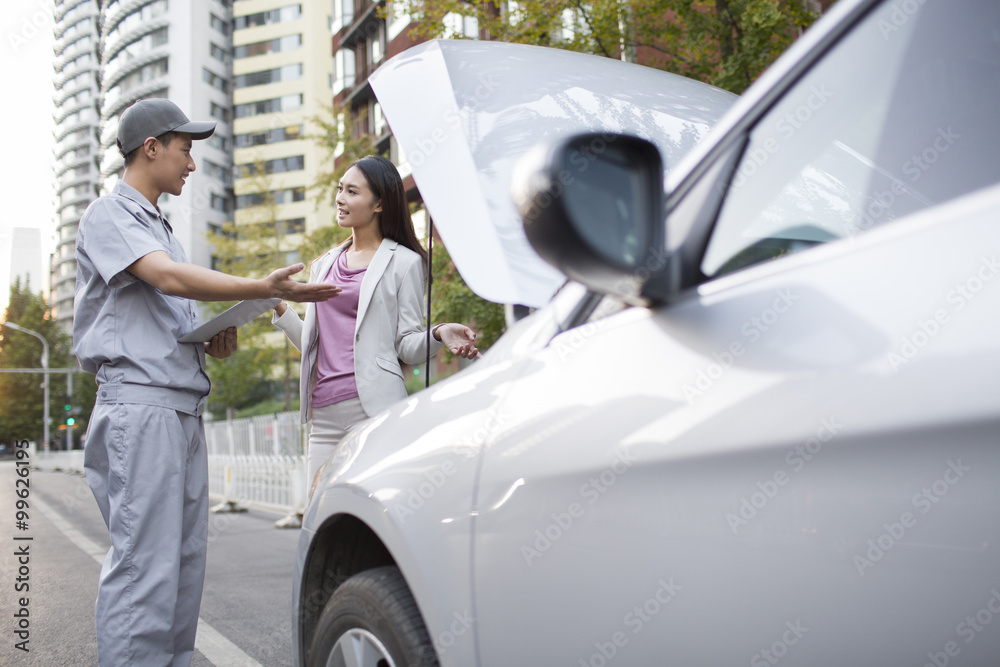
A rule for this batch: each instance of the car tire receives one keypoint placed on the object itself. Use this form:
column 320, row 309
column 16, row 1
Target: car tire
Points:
column 372, row 620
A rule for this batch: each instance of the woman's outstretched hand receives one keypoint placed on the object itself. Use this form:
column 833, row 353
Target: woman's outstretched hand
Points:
column 459, row 339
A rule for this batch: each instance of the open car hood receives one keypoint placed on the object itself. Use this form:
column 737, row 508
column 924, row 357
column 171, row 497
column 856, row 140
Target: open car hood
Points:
column 463, row 112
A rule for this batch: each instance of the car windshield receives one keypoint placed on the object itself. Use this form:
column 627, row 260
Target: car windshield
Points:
column 900, row 116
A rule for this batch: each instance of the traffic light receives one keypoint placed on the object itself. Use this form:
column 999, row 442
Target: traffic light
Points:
column 68, row 410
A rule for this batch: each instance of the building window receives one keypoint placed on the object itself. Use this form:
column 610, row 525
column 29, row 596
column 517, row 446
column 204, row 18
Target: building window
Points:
column 278, row 227
column 396, row 19
column 289, row 13
column 276, row 166
column 218, row 53
column 343, row 70
column 274, row 105
column 293, row 226
column 375, row 46
column 286, row 73
column 286, row 43
column 214, row 80
column 457, row 26
column 218, row 172
column 290, row 133
column 286, row 196
column 218, row 24
column 343, row 14
column 220, row 203
column 218, row 112
column 219, row 141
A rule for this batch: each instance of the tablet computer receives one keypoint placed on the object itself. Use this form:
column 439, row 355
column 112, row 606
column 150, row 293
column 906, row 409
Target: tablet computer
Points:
column 236, row 316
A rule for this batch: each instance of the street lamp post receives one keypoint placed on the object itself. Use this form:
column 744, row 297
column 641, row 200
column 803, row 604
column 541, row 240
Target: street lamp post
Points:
column 45, row 382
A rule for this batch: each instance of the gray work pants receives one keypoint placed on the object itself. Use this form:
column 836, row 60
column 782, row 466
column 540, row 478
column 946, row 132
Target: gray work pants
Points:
column 148, row 469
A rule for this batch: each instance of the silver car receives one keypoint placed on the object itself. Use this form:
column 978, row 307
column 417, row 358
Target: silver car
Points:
column 765, row 431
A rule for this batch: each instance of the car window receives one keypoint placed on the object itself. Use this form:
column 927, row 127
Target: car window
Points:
column 900, row 115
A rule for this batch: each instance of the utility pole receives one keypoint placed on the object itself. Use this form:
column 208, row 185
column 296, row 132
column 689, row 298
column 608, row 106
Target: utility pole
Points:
column 45, row 382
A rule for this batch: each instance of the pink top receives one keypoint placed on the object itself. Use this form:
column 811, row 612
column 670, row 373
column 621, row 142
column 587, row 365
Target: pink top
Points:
column 335, row 319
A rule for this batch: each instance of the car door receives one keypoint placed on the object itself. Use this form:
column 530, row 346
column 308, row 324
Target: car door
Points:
column 794, row 458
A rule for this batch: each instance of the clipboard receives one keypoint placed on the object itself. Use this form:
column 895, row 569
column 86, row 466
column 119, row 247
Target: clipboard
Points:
column 236, row 316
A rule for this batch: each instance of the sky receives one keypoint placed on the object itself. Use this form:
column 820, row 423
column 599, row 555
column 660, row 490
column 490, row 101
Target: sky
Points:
column 27, row 190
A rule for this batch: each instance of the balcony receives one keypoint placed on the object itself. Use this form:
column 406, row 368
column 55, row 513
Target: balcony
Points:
column 67, row 11
column 114, row 75
column 76, row 48
column 76, row 25
column 112, row 18
column 64, row 292
column 114, row 102
column 88, row 122
column 62, row 113
column 111, row 48
column 365, row 18
column 63, row 93
column 71, row 141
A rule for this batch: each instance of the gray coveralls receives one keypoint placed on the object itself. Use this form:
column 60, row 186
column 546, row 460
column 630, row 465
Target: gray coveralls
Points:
column 145, row 455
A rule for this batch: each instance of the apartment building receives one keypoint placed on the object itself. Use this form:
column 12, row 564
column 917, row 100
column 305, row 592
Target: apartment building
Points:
column 282, row 69
column 366, row 34
column 110, row 53
column 177, row 49
column 77, row 123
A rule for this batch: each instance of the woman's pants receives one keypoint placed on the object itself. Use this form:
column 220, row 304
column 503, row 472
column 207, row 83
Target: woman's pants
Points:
column 328, row 427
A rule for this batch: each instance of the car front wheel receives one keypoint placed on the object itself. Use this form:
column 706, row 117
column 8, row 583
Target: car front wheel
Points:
column 372, row 620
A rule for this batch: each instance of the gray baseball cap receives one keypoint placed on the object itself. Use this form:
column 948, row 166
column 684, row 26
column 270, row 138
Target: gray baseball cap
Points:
column 153, row 117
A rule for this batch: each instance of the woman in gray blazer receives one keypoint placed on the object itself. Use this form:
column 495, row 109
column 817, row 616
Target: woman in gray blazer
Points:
column 352, row 345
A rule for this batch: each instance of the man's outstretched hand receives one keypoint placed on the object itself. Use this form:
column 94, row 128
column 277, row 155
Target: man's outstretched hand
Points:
column 284, row 287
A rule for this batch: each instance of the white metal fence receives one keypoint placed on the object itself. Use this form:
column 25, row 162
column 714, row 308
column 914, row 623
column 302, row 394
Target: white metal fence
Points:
column 259, row 460
column 256, row 461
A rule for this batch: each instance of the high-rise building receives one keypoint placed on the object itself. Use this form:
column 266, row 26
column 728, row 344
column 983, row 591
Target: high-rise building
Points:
column 281, row 77
column 77, row 122
column 178, row 49
column 110, row 53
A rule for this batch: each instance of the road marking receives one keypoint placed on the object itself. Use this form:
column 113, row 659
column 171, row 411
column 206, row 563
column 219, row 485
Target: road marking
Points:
column 210, row 642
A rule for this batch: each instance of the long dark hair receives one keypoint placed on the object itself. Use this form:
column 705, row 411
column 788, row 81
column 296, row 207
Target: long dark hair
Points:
column 394, row 222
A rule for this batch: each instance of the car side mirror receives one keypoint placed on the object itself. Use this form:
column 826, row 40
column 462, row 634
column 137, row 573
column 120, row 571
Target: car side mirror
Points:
column 592, row 207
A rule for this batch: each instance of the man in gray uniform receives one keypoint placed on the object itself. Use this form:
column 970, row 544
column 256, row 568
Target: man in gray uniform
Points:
column 145, row 456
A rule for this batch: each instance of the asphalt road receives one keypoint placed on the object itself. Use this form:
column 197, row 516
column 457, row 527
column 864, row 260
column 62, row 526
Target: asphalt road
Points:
column 245, row 612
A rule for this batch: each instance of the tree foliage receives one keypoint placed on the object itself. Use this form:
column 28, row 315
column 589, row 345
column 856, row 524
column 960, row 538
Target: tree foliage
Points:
column 453, row 301
column 21, row 403
column 342, row 147
column 727, row 43
column 253, row 248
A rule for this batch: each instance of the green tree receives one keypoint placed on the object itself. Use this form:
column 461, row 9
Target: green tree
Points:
column 252, row 248
column 453, row 301
column 21, row 395
column 727, row 43
column 344, row 139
